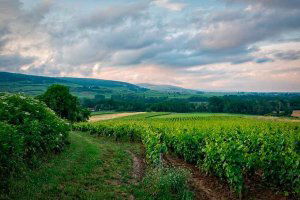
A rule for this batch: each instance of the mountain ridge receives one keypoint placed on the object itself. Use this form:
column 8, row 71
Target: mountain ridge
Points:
column 35, row 85
column 168, row 88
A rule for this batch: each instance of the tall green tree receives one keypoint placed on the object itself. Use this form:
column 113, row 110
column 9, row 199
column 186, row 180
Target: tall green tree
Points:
column 58, row 98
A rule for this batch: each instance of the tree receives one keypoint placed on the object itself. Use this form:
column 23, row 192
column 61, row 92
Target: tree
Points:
column 58, row 98
column 99, row 97
column 216, row 104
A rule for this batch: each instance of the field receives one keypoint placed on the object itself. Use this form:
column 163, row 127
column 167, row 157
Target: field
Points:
column 107, row 116
column 160, row 155
column 238, row 149
column 103, row 113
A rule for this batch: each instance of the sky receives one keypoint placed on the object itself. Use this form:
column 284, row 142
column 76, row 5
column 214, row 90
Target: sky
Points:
column 215, row 45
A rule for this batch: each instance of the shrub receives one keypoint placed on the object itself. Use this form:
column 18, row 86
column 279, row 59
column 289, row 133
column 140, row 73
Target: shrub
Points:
column 28, row 131
column 11, row 151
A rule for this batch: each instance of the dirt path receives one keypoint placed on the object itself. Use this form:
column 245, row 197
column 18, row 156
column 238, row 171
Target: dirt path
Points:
column 208, row 187
column 138, row 167
column 112, row 116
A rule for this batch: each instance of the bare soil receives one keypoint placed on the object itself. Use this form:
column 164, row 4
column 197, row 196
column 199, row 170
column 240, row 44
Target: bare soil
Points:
column 111, row 116
column 138, row 167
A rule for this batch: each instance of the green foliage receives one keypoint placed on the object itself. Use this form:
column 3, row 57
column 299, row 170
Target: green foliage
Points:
column 153, row 142
column 67, row 106
column 230, row 147
column 155, row 147
column 165, row 184
column 11, row 151
column 28, row 131
column 280, row 105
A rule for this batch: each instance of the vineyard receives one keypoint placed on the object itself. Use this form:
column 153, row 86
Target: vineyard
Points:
column 234, row 148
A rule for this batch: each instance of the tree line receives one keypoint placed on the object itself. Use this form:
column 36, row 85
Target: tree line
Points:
column 244, row 104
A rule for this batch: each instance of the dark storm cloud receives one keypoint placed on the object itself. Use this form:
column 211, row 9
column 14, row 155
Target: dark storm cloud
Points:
column 289, row 55
column 263, row 60
column 8, row 62
column 130, row 34
column 235, row 29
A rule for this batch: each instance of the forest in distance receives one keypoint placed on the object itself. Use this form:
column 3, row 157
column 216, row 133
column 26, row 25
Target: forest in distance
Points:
column 255, row 104
column 106, row 95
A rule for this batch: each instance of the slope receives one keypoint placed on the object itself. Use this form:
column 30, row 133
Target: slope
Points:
column 169, row 89
column 82, row 87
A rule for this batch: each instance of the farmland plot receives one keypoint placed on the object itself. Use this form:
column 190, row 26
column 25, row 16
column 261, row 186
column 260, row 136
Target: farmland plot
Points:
column 234, row 148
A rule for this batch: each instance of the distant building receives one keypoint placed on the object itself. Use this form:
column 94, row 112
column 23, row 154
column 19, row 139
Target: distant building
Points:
column 296, row 113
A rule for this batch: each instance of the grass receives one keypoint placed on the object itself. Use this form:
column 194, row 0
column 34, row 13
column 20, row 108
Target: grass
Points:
column 97, row 168
column 165, row 184
column 91, row 168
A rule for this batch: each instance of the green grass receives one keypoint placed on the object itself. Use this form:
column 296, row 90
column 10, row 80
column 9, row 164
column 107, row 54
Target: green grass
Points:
column 165, row 184
column 97, row 168
column 91, row 168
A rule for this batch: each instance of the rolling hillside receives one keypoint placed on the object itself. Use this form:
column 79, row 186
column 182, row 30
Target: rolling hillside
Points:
column 81, row 87
column 169, row 89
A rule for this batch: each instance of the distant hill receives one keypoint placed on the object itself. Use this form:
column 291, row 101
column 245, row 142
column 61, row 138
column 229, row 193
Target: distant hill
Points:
column 169, row 89
column 82, row 87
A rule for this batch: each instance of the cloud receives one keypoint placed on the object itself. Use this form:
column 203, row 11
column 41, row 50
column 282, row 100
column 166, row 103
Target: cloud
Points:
column 14, row 61
column 263, row 60
column 113, row 15
column 173, row 6
column 231, row 29
column 286, row 4
column 288, row 55
column 9, row 10
column 228, row 42
column 131, row 34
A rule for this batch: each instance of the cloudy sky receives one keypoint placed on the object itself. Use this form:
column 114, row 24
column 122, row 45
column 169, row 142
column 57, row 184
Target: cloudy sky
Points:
column 236, row 45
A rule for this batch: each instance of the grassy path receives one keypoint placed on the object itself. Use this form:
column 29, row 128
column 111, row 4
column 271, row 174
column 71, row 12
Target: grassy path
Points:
column 91, row 168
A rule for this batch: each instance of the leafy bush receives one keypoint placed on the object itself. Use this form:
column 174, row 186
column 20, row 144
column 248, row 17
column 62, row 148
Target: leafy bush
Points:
column 28, row 131
column 11, row 151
